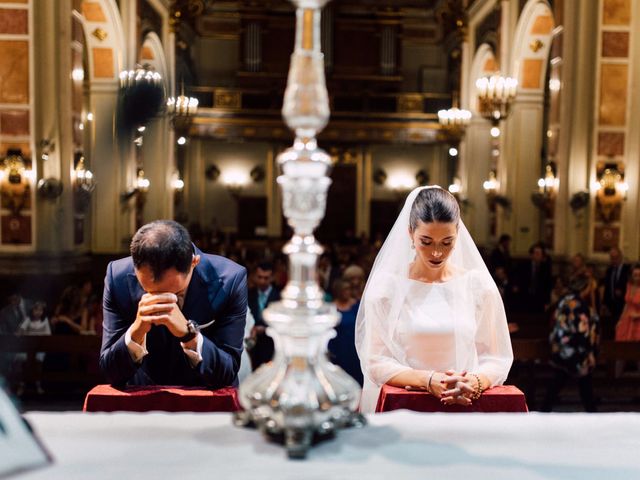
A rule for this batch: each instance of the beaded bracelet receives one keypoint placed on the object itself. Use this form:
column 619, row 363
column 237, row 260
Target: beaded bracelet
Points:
column 478, row 391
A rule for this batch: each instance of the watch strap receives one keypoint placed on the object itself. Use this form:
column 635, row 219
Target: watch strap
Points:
column 192, row 332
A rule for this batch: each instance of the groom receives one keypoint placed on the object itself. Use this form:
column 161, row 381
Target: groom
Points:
column 172, row 315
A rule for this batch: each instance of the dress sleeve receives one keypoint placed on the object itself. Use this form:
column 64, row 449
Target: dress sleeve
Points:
column 379, row 363
column 492, row 339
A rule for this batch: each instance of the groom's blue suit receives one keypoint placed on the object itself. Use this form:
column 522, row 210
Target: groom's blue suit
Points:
column 217, row 291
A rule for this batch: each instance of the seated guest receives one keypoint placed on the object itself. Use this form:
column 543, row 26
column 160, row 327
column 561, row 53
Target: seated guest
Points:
column 12, row 315
column 327, row 272
column 36, row 323
column 342, row 348
column 259, row 297
column 70, row 315
column 356, row 276
column 501, row 255
column 574, row 343
column 172, row 314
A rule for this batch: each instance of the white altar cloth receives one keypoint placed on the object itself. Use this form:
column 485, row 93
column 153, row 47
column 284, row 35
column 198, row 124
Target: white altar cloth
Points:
column 395, row 445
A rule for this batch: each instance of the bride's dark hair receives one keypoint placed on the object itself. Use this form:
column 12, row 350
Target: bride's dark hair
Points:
column 434, row 205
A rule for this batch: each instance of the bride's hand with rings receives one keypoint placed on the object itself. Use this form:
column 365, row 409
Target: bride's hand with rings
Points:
column 458, row 388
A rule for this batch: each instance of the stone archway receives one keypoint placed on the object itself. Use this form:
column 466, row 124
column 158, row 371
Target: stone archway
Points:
column 521, row 163
column 158, row 147
column 484, row 64
column 110, row 163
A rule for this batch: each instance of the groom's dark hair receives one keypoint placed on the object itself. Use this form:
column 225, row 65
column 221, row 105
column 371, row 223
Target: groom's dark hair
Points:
column 162, row 245
column 434, row 205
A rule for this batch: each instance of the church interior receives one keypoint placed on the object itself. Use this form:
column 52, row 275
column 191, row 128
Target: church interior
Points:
column 115, row 113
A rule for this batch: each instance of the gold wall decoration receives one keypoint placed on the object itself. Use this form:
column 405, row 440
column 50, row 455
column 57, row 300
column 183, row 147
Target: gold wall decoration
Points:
column 543, row 25
column 616, row 12
column 613, row 94
column 531, row 73
column 14, row 71
column 92, row 12
column 536, row 45
column 611, row 191
column 409, row 103
column 225, row 98
column 100, row 34
column 103, row 62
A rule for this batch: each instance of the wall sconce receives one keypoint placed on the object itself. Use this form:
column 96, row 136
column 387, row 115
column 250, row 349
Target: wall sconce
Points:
column 379, row 176
column 15, row 182
column 177, row 183
column 49, row 188
column 182, row 106
column 544, row 198
column 83, row 177
column 579, row 200
column 422, row 177
column 212, row 172
column 234, row 181
column 84, row 183
column 140, row 189
column 454, row 121
column 491, row 186
column 456, row 187
column 47, row 147
column 495, row 94
column 611, row 191
column 401, row 182
column 257, row 174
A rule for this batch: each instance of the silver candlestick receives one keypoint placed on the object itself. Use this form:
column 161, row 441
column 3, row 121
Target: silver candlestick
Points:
column 300, row 397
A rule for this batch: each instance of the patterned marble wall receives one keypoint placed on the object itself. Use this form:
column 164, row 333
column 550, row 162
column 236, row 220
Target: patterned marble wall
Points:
column 612, row 103
column 16, row 219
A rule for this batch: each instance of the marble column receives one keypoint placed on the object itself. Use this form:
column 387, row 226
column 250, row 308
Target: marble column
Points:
column 519, row 168
column 475, row 155
column 113, row 165
column 159, row 166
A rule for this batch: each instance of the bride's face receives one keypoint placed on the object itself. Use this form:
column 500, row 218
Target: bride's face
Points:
column 434, row 242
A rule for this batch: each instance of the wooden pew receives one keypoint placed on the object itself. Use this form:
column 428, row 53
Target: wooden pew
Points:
column 80, row 349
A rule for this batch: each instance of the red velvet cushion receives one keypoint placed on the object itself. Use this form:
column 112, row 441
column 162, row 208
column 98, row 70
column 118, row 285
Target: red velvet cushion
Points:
column 105, row 398
column 497, row 399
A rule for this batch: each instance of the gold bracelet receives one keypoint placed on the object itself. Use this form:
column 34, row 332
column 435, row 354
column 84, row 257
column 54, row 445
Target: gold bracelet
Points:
column 476, row 395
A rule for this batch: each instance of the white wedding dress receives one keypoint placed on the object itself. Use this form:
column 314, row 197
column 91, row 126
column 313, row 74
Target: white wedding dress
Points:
column 440, row 326
column 405, row 324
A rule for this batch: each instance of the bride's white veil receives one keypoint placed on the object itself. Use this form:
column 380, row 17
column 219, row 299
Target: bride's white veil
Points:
column 387, row 286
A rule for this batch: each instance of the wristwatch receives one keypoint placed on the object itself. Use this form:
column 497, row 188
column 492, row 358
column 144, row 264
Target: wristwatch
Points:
column 192, row 332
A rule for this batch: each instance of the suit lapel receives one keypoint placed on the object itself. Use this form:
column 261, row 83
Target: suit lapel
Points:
column 204, row 284
column 135, row 289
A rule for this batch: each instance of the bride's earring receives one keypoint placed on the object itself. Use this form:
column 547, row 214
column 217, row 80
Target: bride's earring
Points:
column 413, row 247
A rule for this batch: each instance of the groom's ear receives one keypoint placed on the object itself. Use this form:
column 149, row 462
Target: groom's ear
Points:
column 195, row 261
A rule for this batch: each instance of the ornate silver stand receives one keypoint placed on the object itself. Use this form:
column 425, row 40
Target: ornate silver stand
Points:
column 301, row 397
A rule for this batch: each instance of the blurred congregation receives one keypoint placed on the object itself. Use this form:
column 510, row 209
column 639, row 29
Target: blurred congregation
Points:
column 116, row 113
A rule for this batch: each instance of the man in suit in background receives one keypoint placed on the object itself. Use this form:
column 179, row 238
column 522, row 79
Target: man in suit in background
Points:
column 172, row 314
column 615, row 287
column 534, row 280
column 260, row 296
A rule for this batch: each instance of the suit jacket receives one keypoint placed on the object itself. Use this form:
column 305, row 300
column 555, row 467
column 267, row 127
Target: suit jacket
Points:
column 612, row 299
column 217, row 291
column 535, row 290
column 263, row 350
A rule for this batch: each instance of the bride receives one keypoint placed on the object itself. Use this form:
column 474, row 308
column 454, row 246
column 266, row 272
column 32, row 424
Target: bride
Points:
column 431, row 317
